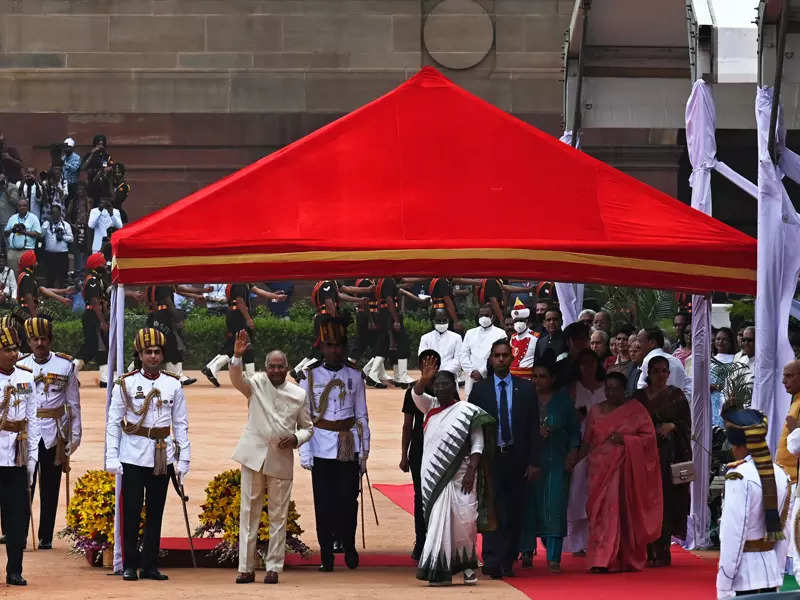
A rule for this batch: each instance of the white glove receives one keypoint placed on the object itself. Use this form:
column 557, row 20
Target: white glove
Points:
column 182, row 470
column 31, row 471
column 725, row 595
column 307, row 463
column 113, row 466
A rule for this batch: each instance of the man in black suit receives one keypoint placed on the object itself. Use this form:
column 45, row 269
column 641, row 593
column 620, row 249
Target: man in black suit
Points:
column 512, row 402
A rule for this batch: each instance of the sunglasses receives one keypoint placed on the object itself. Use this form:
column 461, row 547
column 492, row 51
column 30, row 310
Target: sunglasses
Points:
column 744, row 339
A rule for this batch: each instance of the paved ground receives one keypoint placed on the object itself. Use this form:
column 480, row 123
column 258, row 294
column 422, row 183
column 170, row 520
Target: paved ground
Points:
column 216, row 418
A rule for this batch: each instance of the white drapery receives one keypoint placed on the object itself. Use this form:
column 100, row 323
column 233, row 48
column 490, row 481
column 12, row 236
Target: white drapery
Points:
column 570, row 295
column 702, row 146
column 116, row 365
column 778, row 268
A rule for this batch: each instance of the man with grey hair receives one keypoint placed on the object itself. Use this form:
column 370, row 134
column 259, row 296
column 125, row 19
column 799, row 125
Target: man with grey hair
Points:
column 587, row 317
column 277, row 422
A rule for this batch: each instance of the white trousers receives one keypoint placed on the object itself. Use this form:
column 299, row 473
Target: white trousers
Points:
column 254, row 484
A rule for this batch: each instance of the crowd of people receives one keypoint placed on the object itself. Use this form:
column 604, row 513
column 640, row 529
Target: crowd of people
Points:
column 578, row 437
column 63, row 211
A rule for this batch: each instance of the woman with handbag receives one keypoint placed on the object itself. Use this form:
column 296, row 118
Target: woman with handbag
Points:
column 669, row 410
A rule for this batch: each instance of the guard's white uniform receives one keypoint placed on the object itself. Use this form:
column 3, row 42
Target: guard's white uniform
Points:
column 22, row 406
column 169, row 410
column 743, row 520
column 56, row 385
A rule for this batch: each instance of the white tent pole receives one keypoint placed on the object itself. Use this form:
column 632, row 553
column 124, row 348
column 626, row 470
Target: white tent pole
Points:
column 116, row 362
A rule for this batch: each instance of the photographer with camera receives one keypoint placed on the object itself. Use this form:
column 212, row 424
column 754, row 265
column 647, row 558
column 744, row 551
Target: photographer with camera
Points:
column 100, row 219
column 30, row 188
column 23, row 231
column 72, row 168
column 57, row 237
column 96, row 165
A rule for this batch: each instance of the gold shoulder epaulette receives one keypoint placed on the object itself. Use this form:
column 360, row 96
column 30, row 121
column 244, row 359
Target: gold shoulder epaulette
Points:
column 734, row 464
column 734, row 475
column 24, row 368
column 351, row 363
column 128, row 374
column 64, row 356
column 171, row 374
column 313, row 365
column 24, row 356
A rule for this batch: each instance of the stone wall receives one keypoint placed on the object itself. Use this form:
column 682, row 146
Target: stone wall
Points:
column 189, row 90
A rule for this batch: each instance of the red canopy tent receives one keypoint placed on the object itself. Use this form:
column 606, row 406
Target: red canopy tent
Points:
column 431, row 180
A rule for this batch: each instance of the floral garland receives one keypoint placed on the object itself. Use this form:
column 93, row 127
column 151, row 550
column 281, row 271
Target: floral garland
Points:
column 221, row 516
column 90, row 514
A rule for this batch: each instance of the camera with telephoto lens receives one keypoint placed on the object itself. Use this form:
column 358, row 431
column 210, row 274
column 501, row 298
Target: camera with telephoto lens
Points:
column 19, row 228
column 59, row 233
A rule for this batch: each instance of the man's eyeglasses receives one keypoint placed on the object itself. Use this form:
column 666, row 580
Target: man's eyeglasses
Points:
column 751, row 340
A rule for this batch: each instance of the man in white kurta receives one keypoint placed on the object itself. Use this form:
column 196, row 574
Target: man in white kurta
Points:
column 476, row 347
column 443, row 341
column 652, row 342
column 277, row 422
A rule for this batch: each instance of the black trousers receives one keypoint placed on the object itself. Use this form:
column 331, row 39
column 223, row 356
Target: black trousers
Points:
column 754, row 592
column 138, row 485
column 91, row 348
column 56, row 265
column 386, row 335
column 365, row 337
column 49, row 486
column 335, row 485
column 165, row 322
column 420, row 528
column 15, row 514
column 234, row 323
column 500, row 547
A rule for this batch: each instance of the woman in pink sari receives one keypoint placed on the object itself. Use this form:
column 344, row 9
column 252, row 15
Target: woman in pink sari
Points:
column 625, row 502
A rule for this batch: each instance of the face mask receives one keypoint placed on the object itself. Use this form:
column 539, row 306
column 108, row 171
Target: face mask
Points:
column 520, row 326
column 485, row 322
column 440, row 327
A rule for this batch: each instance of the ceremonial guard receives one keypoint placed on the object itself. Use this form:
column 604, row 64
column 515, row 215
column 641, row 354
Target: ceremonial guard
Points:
column 95, row 318
column 523, row 342
column 337, row 452
column 58, row 408
column 366, row 325
column 163, row 316
column 391, row 337
column 755, row 506
column 19, row 446
column 237, row 318
column 27, row 286
column 440, row 289
column 145, row 405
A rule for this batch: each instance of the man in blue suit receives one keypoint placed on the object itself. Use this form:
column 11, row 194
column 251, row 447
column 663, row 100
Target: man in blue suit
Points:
column 513, row 403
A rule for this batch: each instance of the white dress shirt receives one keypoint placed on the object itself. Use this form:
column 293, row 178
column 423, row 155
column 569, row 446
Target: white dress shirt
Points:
column 56, row 385
column 8, row 283
column 448, row 345
column 100, row 221
column 677, row 374
column 23, row 406
column 171, row 410
column 324, row 443
column 51, row 243
column 476, row 347
column 742, row 520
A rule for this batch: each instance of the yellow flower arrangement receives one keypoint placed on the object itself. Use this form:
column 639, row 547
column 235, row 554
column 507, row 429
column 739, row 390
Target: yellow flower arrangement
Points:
column 90, row 514
column 221, row 516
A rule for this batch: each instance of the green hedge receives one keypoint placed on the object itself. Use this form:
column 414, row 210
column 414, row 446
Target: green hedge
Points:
column 205, row 334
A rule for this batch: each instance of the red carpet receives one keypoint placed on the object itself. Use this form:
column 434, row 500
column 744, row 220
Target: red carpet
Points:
column 689, row 577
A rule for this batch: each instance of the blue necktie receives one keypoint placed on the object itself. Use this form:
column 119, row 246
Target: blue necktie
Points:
column 505, row 426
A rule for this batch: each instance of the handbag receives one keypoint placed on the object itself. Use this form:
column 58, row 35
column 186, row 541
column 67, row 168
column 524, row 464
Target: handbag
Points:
column 682, row 472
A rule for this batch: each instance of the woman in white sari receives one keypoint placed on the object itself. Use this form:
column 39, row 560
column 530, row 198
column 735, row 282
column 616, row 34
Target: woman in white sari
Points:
column 455, row 504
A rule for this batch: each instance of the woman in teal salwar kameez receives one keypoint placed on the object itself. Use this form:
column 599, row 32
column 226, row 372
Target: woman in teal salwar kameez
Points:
column 546, row 508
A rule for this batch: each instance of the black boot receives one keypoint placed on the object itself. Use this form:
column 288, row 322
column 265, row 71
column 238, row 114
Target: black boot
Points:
column 152, row 574
column 15, row 579
column 207, row 372
column 351, row 558
column 130, row 575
